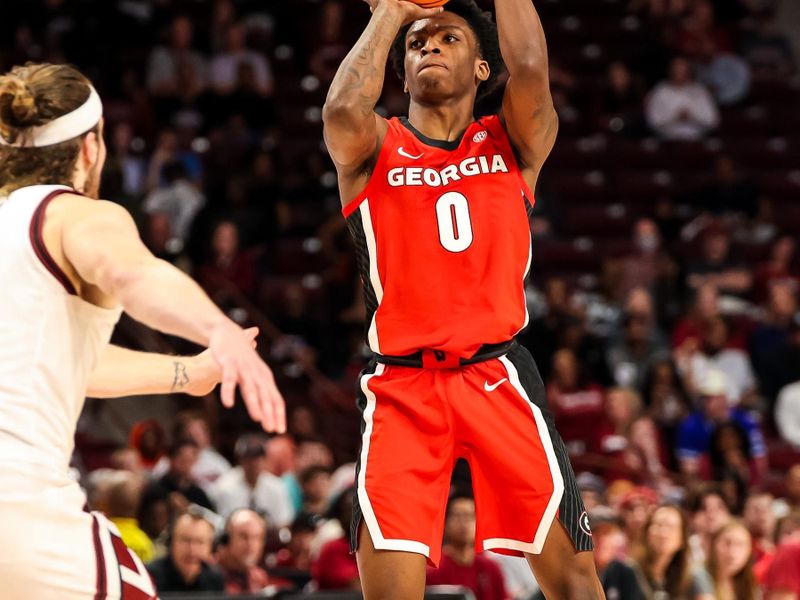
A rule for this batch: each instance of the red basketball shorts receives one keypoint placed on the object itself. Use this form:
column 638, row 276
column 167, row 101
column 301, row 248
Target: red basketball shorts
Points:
column 417, row 422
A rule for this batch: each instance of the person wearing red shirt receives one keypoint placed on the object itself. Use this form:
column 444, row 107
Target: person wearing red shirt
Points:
column 783, row 578
column 460, row 564
column 335, row 568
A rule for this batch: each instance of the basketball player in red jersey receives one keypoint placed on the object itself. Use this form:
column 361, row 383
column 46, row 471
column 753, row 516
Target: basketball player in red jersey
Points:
column 438, row 207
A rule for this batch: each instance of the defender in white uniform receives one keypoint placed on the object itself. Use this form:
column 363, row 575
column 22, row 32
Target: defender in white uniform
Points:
column 70, row 264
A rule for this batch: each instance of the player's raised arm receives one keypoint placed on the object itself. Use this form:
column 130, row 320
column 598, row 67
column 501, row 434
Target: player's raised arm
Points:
column 352, row 130
column 101, row 242
column 528, row 111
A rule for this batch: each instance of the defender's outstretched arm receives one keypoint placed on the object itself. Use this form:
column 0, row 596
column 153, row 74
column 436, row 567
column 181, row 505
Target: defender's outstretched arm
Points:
column 528, row 112
column 352, row 130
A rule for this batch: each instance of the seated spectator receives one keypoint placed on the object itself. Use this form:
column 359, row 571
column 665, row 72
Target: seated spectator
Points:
column 123, row 502
column 180, row 201
column 695, row 432
column 700, row 28
column 771, row 336
column 632, row 351
column 610, row 556
column 646, row 453
column 635, row 509
column 649, row 267
column 460, row 564
column 315, row 481
column 780, row 269
column 577, row 405
column 688, row 331
column 148, row 439
column 665, row 398
column 210, row 463
column 187, row 568
column 714, row 354
column 717, row 265
column 178, row 481
column 619, row 108
column 760, row 521
column 335, row 567
column 297, row 553
column 225, row 65
column 165, row 62
column 730, row 190
column 724, row 73
column 709, row 512
column 730, row 458
column 240, row 552
column 250, row 485
column 228, row 266
column 787, row 414
column 663, row 559
column 783, row 579
column 331, row 46
column 592, row 489
column 768, row 51
column 680, row 108
column 729, row 563
column 154, row 517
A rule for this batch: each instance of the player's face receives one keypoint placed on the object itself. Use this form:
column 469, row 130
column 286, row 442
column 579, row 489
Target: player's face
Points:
column 442, row 60
column 92, row 186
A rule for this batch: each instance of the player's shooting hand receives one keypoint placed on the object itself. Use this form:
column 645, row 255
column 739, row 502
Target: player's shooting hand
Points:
column 232, row 349
column 408, row 10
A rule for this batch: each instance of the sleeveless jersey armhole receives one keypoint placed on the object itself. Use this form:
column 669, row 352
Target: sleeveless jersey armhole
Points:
column 39, row 247
column 386, row 148
column 494, row 124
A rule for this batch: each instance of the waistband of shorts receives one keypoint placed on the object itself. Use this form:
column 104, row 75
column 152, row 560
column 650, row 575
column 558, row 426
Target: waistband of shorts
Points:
column 438, row 359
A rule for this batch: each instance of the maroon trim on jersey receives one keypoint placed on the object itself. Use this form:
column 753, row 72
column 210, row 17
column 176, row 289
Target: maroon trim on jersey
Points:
column 101, row 585
column 42, row 253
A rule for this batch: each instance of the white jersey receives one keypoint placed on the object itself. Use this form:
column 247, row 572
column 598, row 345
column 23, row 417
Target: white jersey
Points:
column 50, row 340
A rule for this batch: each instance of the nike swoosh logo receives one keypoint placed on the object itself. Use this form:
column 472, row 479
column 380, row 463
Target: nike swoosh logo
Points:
column 494, row 386
column 402, row 152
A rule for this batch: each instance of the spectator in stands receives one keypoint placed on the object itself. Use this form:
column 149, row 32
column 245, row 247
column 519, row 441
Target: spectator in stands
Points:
column 649, row 266
column 335, row 567
column 250, row 485
column 665, row 398
column 760, row 521
column 709, row 512
column 542, row 335
column 768, row 51
column 297, row 553
column 663, row 559
column 632, row 352
column 783, row 579
column 771, row 337
column 180, row 200
column 315, row 481
column 124, row 164
column 724, row 73
column 730, row 459
column 619, row 107
column 148, row 439
column 240, row 550
column 700, row 28
column 154, row 517
column 229, row 268
column 310, row 452
column 178, row 481
column 123, row 502
column 695, row 432
column 787, row 414
column 792, row 485
column 225, row 65
column 610, row 556
column 730, row 191
column 166, row 62
column 460, row 564
column 715, row 355
column 729, row 563
column 330, row 44
column 187, row 568
column 592, row 489
column 680, row 108
column 577, row 405
column 622, row 407
column 717, row 266
column 780, row 269
column 688, row 331
column 635, row 509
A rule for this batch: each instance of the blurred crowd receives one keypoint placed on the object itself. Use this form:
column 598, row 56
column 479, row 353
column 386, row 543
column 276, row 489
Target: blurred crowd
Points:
column 663, row 300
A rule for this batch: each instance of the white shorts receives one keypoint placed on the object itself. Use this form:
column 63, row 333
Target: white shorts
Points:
column 53, row 550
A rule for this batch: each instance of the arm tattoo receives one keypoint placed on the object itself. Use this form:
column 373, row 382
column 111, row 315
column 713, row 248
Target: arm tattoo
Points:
column 181, row 377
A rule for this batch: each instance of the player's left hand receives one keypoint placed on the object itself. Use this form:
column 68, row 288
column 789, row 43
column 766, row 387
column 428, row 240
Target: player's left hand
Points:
column 204, row 373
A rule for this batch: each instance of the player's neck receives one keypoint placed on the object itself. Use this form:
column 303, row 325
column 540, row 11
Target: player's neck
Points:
column 445, row 122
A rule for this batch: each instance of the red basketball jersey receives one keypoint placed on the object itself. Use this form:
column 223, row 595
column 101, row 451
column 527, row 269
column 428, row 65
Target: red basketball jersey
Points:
column 443, row 241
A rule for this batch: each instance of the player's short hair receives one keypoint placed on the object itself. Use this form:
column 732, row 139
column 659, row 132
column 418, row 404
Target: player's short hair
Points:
column 485, row 30
column 30, row 96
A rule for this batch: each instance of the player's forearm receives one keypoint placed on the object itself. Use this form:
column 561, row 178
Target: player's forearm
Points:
column 123, row 372
column 358, row 83
column 522, row 40
column 162, row 297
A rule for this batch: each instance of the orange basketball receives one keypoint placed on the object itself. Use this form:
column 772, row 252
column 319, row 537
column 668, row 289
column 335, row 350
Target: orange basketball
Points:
column 429, row 3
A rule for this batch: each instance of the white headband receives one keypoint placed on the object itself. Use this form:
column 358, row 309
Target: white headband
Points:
column 69, row 126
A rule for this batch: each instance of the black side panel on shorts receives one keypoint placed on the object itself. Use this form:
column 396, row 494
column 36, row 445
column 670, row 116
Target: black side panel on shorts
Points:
column 571, row 511
column 356, row 226
column 361, row 404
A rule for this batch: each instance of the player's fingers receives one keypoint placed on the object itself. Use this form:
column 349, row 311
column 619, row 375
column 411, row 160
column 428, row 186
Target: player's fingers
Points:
column 250, row 394
column 280, row 410
column 427, row 13
column 228, row 388
column 263, row 380
column 251, row 333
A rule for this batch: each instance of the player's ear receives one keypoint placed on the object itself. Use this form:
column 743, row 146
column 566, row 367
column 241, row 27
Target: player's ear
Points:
column 405, row 85
column 482, row 70
column 90, row 148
